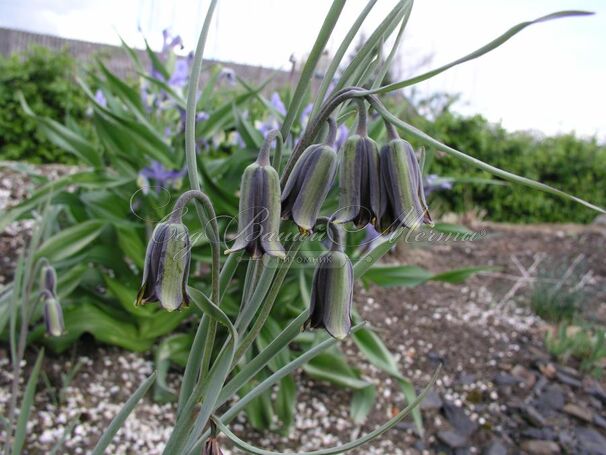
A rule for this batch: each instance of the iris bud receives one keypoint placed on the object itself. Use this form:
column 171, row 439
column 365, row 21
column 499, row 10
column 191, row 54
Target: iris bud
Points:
column 309, row 182
column 166, row 267
column 259, row 216
column 402, row 194
column 332, row 292
column 53, row 315
column 359, row 177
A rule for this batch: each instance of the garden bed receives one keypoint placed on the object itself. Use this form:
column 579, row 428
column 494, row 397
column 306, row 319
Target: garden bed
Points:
column 499, row 389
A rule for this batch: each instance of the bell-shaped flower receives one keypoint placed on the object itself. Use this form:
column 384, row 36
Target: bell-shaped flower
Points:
column 359, row 189
column 259, row 215
column 166, row 267
column 309, row 183
column 212, row 447
column 402, row 195
column 332, row 292
column 53, row 315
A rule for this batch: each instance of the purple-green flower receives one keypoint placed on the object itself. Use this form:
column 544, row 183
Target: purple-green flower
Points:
column 309, row 183
column 259, row 214
column 166, row 268
column 402, row 195
column 53, row 315
column 332, row 293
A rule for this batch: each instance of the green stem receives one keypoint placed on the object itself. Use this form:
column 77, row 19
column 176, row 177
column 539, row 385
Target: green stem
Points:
column 268, row 303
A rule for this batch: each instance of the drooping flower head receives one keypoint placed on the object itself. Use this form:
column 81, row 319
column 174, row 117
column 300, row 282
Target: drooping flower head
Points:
column 166, row 266
column 53, row 315
column 403, row 201
column 309, row 182
column 259, row 214
column 331, row 296
column 359, row 177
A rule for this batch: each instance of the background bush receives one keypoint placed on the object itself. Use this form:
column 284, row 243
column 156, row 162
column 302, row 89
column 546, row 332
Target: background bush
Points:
column 571, row 164
column 47, row 80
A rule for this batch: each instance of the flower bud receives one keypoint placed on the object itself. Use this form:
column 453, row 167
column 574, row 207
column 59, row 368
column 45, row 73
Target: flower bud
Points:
column 53, row 315
column 402, row 195
column 309, row 183
column 359, row 177
column 332, row 293
column 48, row 279
column 166, row 267
column 259, row 216
column 212, row 447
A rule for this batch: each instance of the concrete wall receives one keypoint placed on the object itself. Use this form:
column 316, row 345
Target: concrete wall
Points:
column 15, row 41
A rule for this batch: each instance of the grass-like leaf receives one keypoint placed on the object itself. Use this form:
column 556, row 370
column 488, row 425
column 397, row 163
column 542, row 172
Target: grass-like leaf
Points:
column 479, row 52
column 118, row 421
column 339, row 449
column 26, row 406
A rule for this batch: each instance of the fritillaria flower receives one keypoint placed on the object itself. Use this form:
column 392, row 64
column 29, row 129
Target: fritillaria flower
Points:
column 166, row 267
column 402, row 194
column 309, row 182
column 48, row 278
column 259, row 215
column 53, row 315
column 359, row 177
column 332, row 291
column 212, row 447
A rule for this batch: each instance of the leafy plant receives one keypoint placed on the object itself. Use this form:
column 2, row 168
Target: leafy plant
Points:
column 46, row 79
column 585, row 344
column 558, row 293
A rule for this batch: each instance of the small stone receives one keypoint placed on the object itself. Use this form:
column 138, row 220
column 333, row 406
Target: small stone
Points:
column 495, row 447
column 459, row 420
column 538, row 447
column 548, row 370
column 591, row 441
column 505, row 379
column 432, row 401
column 579, row 412
column 551, row 398
column 533, row 416
column 524, row 375
column 568, row 380
column 452, row 439
column 599, row 421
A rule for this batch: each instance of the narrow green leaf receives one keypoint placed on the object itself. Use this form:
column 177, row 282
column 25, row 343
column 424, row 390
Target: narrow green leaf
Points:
column 479, row 52
column 70, row 241
column 26, row 406
column 478, row 163
column 339, row 449
column 310, row 65
column 118, row 421
column 361, row 403
column 338, row 57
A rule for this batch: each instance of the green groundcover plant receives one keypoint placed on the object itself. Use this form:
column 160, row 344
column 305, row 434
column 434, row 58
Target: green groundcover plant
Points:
column 255, row 318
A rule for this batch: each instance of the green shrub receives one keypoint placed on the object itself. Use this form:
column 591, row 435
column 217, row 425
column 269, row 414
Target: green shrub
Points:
column 46, row 79
column 566, row 162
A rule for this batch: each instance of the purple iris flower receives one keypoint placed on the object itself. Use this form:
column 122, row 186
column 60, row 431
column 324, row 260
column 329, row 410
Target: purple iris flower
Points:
column 170, row 42
column 202, row 116
column 434, row 182
column 277, row 103
column 100, row 98
column 162, row 176
column 342, row 133
column 228, row 75
column 180, row 75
